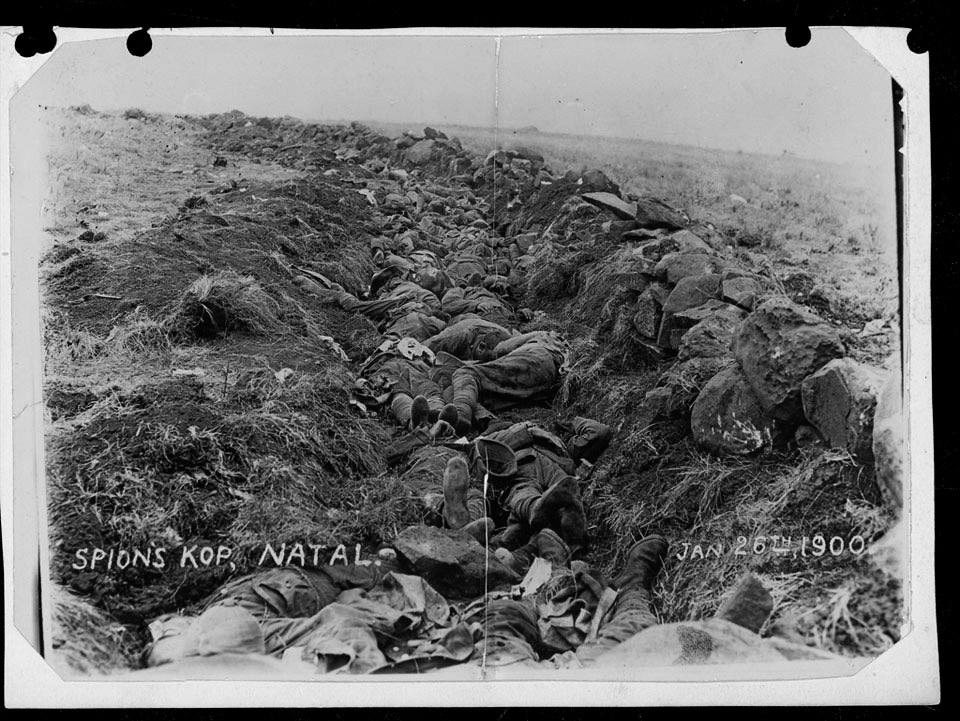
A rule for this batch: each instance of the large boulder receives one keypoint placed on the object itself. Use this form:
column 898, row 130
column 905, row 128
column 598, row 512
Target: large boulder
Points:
column 839, row 401
column 740, row 289
column 888, row 440
column 778, row 345
column 674, row 267
column 454, row 563
column 608, row 201
column 677, row 388
column 727, row 417
column 690, row 292
column 525, row 153
column 685, row 241
column 712, row 337
column 750, row 604
column 421, row 152
column 596, row 181
column 653, row 213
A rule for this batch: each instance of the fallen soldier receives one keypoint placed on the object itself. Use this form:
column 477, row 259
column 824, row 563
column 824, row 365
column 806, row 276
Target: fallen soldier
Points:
column 368, row 619
column 471, row 338
column 529, row 476
column 543, row 491
column 478, row 301
column 525, row 368
column 405, row 294
column 400, row 376
column 362, row 619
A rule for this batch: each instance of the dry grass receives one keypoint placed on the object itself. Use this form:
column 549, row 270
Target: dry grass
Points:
column 84, row 640
column 710, row 501
column 118, row 176
column 225, row 302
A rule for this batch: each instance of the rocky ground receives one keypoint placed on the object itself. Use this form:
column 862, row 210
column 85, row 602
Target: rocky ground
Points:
column 198, row 391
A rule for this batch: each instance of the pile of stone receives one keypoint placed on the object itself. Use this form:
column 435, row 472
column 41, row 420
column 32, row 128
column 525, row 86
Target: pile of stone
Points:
column 753, row 369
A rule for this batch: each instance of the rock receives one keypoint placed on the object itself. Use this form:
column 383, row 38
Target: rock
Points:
column 496, row 157
column 454, row 563
column 778, row 345
column 677, row 388
column 641, row 235
column 727, row 417
column 692, row 316
column 660, row 292
column 741, row 290
column 750, row 605
column 609, row 201
column 529, row 154
column 618, row 227
column 824, row 299
column 888, row 440
column 596, row 181
column 652, row 213
column 690, row 292
column 686, row 242
column 420, row 152
column 839, row 401
column 712, row 337
column 676, row 266
column 656, row 404
column 525, row 241
column 646, row 319
column 432, row 134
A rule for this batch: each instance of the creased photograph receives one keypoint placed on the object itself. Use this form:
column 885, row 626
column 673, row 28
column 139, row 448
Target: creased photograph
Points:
column 468, row 356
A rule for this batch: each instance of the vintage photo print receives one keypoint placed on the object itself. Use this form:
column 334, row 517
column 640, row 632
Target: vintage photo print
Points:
column 437, row 360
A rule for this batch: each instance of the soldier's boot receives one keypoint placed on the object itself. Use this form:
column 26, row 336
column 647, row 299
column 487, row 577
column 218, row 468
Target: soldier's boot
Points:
column 450, row 415
column 456, row 482
column 546, row 545
column 419, row 412
column 511, row 537
column 644, row 561
column 481, row 529
column 573, row 527
column 441, row 429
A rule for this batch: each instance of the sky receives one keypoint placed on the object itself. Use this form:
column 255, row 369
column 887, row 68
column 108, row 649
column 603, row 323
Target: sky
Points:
column 736, row 90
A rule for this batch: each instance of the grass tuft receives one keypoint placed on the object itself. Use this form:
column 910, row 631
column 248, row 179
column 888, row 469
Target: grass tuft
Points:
column 85, row 640
column 225, row 302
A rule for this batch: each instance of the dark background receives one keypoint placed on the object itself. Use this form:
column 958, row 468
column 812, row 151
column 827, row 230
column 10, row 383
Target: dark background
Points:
column 933, row 30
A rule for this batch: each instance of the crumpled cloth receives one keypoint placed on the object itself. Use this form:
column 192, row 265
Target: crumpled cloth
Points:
column 398, row 621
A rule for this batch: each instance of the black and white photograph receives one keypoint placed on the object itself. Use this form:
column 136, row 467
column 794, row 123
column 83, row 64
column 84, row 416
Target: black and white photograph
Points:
column 468, row 356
